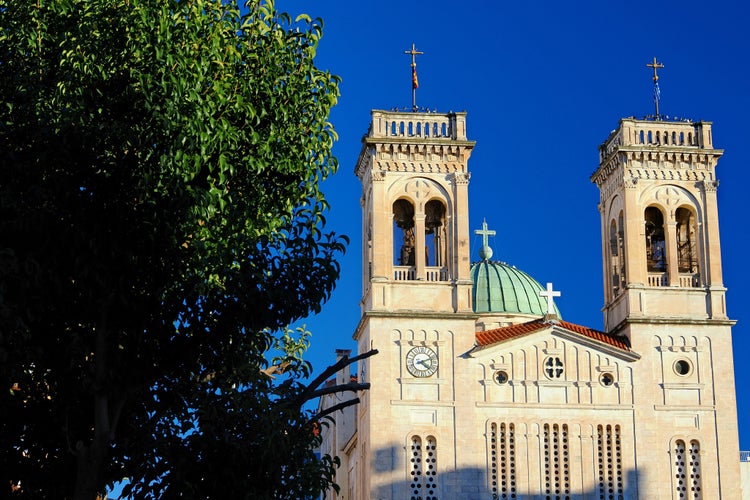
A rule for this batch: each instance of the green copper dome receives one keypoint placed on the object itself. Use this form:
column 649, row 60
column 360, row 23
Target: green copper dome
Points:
column 501, row 288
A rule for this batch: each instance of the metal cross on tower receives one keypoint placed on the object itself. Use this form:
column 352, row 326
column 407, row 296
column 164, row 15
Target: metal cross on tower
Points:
column 414, row 82
column 657, row 93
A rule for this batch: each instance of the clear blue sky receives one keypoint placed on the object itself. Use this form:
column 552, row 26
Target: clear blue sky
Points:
column 543, row 84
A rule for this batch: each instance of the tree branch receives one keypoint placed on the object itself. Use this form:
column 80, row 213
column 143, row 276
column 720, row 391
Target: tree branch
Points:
column 333, row 409
column 306, row 395
column 352, row 386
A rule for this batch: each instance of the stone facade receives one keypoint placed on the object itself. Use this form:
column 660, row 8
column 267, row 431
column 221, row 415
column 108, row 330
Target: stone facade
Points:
column 510, row 405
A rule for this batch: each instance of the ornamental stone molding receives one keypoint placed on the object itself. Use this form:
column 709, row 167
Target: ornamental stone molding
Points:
column 378, row 176
column 630, row 182
column 709, row 186
column 669, row 196
column 461, row 178
column 668, row 175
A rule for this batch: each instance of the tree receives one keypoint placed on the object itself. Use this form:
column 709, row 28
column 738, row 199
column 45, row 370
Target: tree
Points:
column 161, row 216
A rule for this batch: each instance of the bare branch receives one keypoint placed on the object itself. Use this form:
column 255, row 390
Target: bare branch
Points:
column 333, row 409
column 306, row 395
column 352, row 386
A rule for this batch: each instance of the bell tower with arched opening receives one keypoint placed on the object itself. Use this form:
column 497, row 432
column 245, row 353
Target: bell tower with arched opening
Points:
column 662, row 259
column 416, row 299
column 663, row 290
column 413, row 169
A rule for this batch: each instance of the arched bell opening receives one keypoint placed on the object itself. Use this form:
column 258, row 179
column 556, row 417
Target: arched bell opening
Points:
column 656, row 249
column 617, row 255
column 404, row 240
column 435, row 237
column 687, row 247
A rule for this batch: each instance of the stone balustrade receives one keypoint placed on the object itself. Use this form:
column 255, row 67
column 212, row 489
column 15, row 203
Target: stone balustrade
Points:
column 418, row 125
column 658, row 279
column 409, row 273
column 658, row 133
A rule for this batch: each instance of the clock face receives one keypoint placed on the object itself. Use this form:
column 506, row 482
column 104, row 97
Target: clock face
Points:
column 421, row 361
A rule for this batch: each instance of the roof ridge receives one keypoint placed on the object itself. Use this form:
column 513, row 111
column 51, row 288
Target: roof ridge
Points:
column 503, row 333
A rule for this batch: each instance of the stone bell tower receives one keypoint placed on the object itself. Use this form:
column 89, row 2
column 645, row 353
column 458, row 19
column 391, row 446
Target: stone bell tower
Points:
column 663, row 289
column 416, row 299
column 413, row 169
column 660, row 226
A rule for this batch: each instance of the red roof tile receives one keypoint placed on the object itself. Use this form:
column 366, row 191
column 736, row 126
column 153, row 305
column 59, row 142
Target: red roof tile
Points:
column 502, row 334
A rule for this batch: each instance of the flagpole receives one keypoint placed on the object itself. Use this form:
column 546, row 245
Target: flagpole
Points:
column 413, row 88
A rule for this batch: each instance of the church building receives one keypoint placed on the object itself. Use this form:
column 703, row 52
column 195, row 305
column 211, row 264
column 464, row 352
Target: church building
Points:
column 481, row 390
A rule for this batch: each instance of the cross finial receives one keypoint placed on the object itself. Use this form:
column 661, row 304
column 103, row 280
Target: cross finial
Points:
column 414, row 82
column 656, row 65
column 550, row 294
column 486, row 252
column 657, row 93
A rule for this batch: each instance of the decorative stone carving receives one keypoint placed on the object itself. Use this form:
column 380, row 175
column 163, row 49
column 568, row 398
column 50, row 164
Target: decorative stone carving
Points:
column 709, row 186
column 378, row 176
column 461, row 178
column 419, row 188
column 669, row 196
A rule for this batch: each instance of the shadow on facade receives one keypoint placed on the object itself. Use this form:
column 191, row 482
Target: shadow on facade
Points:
column 475, row 484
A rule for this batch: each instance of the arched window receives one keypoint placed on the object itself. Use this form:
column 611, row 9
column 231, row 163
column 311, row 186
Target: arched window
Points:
column 430, row 473
column 617, row 254
column 503, row 461
column 423, row 469
column 435, row 237
column 609, row 454
column 695, row 470
column 687, row 248
column 415, row 467
column 621, row 244
column 686, row 466
column 368, row 243
column 556, row 461
column 403, row 233
column 656, row 250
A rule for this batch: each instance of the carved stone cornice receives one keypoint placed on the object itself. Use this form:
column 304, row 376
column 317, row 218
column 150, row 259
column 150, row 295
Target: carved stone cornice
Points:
column 661, row 174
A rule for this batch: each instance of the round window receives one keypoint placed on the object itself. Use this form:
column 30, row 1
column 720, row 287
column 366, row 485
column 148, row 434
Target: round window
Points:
column 682, row 367
column 607, row 379
column 553, row 367
column 501, row 377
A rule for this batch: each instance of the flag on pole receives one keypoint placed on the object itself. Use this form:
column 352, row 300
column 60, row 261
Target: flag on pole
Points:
column 414, row 81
